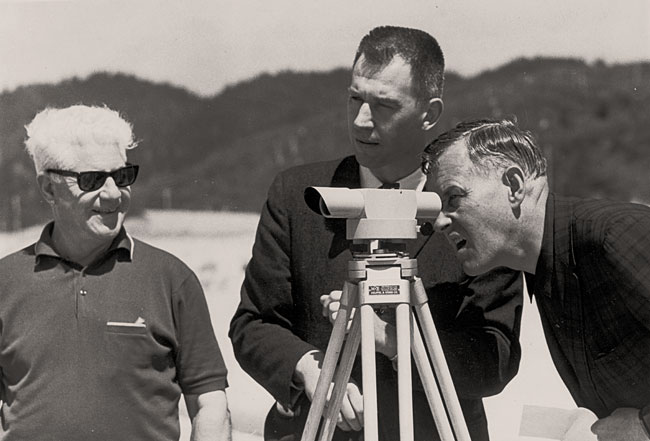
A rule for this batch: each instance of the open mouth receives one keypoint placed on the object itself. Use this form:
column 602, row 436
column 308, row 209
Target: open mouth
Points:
column 457, row 240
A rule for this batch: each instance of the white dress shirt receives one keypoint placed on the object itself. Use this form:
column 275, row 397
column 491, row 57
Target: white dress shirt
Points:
column 414, row 181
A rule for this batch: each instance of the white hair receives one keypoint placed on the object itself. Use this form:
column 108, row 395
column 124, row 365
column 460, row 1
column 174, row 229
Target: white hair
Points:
column 55, row 135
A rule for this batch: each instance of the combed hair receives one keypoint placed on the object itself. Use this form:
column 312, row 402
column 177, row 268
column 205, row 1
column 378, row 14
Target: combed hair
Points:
column 499, row 143
column 55, row 135
column 419, row 49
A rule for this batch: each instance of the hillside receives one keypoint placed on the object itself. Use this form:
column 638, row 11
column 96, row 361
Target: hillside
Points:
column 222, row 152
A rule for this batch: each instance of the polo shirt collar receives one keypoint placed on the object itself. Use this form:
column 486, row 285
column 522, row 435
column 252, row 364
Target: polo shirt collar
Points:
column 123, row 242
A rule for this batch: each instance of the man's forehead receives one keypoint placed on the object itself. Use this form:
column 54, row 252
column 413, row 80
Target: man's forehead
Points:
column 452, row 163
column 98, row 157
column 455, row 156
column 388, row 79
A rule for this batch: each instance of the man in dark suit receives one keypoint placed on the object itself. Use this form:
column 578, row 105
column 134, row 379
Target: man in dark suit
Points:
column 278, row 331
column 586, row 261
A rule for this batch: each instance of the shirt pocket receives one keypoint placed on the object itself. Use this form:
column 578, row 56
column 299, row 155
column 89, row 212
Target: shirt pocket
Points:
column 133, row 347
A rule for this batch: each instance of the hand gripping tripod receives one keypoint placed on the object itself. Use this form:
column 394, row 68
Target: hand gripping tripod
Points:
column 383, row 277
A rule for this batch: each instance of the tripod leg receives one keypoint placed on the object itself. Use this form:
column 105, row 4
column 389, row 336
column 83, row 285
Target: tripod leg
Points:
column 403, row 325
column 439, row 363
column 430, row 386
column 329, row 365
column 341, row 379
column 370, row 426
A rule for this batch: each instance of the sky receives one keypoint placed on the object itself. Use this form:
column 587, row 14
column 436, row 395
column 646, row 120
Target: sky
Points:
column 204, row 45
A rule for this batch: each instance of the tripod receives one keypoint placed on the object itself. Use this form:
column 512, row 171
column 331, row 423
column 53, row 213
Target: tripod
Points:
column 385, row 276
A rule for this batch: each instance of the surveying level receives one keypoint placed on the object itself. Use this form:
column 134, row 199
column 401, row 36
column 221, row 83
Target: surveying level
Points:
column 381, row 274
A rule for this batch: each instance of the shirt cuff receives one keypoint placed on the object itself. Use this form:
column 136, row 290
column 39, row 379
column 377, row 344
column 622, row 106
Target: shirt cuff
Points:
column 295, row 390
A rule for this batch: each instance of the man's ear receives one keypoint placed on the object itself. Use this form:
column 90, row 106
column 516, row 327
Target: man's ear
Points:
column 513, row 178
column 433, row 112
column 46, row 187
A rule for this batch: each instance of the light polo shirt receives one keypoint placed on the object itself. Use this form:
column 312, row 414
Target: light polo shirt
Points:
column 102, row 352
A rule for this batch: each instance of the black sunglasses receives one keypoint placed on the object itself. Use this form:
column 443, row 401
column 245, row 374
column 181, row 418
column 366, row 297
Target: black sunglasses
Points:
column 94, row 180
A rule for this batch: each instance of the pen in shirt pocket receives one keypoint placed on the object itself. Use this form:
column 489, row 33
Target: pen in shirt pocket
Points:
column 139, row 323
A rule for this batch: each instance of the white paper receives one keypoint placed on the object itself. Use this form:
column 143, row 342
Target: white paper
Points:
column 554, row 423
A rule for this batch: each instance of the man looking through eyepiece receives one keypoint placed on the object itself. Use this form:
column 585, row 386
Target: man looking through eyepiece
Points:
column 586, row 262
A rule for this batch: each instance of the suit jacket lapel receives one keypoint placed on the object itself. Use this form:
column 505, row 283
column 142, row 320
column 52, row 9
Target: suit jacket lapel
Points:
column 564, row 274
column 345, row 175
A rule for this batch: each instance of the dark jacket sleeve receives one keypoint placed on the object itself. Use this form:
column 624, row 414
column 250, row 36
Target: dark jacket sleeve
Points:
column 625, row 247
column 260, row 330
column 479, row 323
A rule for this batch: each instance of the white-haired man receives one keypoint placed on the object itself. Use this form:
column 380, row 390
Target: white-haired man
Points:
column 101, row 333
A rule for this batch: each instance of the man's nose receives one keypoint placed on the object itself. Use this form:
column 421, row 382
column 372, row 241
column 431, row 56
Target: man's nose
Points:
column 364, row 116
column 110, row 190
column 442, row 222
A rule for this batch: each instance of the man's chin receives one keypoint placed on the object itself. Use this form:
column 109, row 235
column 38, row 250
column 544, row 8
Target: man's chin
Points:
column 374, row 164
column 474, row 268
column 109, row 226
column 107, row 232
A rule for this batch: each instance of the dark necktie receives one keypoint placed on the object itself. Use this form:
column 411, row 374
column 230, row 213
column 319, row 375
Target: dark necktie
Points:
column 390, row 185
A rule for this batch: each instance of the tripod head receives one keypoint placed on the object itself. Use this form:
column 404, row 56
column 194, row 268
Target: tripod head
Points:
column 388, row 216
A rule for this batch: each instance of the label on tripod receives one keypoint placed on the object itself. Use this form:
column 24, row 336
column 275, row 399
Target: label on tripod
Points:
column 384, row 290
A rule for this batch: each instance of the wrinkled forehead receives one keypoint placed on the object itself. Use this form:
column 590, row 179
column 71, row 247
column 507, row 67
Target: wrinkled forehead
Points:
column 452, row 164
column 453, row 157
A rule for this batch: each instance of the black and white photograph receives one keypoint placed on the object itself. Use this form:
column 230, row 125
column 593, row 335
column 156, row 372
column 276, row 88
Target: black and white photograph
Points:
column 352, row 220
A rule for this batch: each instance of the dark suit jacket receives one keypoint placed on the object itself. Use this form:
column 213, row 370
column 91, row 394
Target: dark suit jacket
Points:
column 299, row 256
column 592, row 286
